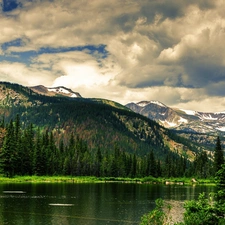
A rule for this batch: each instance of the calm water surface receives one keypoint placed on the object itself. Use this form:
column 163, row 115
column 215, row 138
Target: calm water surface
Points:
column 87, row 204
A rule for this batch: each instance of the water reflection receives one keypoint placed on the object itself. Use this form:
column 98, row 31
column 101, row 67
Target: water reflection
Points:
column 90, row 204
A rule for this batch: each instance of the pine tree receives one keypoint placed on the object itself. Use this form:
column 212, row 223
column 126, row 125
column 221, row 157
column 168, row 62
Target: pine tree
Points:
column 8, row 154
column 134, row 166
column 38, row 157
column 220, row 196
column 115, row 166
column 98, row 161
column 70, row 161
column 168, row 166
column 151, row 164
column 52, row 152
column 218, row 156
column 158, row 169
column 105, row 168
column 27, row 151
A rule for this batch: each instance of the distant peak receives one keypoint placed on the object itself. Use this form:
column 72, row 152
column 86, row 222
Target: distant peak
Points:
column 64, row 90
column 189, row 112
column 143, row 103
column 60, row 90
column 40, row 88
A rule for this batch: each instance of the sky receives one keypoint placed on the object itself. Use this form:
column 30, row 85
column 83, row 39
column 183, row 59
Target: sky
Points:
column 171, row 51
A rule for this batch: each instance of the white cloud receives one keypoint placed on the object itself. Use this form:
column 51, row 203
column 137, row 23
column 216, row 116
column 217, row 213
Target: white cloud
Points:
column 80, row 74
column 18, row 73
column 168, row 51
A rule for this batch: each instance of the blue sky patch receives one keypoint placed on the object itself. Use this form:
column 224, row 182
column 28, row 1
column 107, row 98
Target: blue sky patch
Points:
column 90, row 49
column 17, row 42
column 97, row 51
column 9, row 5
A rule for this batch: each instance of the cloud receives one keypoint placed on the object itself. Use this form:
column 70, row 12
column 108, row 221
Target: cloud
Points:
column 18, row 72
column 80, row 71
column 122, row 50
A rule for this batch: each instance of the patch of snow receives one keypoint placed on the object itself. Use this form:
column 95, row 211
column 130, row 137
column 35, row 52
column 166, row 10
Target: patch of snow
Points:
column 182, row 120
column 143, row 104
column 189, row 112
column 59, row 90
column 62, row 90
column 169, row 124
column 73, row 96
column 158, row 103
column 220, row 112
column 221, row 128
column 208, row 117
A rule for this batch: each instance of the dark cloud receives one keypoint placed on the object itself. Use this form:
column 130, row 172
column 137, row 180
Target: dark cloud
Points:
column 172, row 9
column 203, row 74
column 215, row 89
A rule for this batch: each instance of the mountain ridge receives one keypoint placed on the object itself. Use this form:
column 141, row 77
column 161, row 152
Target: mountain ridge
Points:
column 101, row 123
column 180, row 119
column 54, row 91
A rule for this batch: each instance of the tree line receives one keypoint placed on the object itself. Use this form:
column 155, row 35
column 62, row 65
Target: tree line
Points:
column 31, row 150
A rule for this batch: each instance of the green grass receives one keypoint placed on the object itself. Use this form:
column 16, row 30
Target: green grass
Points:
column 51, row 179
column 92, row 179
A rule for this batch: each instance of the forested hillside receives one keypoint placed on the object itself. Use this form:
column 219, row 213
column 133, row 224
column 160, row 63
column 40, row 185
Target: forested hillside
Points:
column 80, row 132
column 30, row 151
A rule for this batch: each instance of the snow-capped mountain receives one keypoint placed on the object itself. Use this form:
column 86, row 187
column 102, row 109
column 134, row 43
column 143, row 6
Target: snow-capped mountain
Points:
column 53, row 91
column 180, row 119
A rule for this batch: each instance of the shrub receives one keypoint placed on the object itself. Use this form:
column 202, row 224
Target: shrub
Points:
column 158, row 216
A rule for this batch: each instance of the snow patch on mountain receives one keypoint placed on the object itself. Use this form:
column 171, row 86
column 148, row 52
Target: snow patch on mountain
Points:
column 145, row 103
column 182, row 120
column 167, row 123
column 221, row 128
column 158, row 103
column 142, row 104
column 209, row 117
column 189, row 112
column 63, row 90
column 59, row 90
column 220, row 112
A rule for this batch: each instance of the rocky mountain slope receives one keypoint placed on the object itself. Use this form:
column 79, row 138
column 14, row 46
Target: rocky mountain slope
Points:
column 180, row 119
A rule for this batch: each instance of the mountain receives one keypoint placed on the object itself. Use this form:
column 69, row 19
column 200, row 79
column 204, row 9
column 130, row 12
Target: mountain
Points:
column 199, row 127
column 100, row 123
column 180, row 119
column 157, row 111
column 55, row 91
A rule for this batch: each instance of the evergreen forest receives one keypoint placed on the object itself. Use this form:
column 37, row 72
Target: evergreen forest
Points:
column 29, row 150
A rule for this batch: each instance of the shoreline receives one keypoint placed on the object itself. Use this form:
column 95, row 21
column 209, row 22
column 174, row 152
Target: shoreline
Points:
column 91, row 179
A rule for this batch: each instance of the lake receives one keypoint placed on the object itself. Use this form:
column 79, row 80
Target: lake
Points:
column 88, row 203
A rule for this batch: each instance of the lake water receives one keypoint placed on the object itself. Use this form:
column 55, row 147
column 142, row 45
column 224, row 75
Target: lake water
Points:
column 87, row 204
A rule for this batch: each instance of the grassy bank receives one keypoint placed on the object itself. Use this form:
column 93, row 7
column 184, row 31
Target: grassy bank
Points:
column 87, row 179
